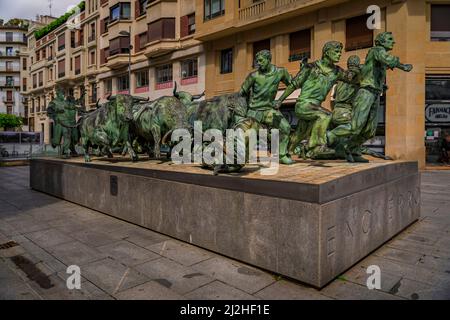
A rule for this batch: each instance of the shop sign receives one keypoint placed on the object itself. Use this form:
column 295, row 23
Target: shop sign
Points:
column 438, row 112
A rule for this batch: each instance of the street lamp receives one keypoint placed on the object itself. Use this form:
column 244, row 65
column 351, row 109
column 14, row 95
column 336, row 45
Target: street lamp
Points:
column 130, row 47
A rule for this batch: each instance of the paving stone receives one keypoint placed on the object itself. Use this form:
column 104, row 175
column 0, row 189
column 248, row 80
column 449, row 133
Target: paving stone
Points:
column 112, row 276
column 150, row 290
column 48, row 238
column 45, row 214
column 437, row 263
column 404, row 270
column 128, row 253
column 235, row 274
column 68, row 225
column 285, row 290
column 18, row 291
column 399, row 255
column 218, row 291
column 180, row 252
column 428, row 238
column 416, row 290
column 93, row 238
column 344, row 290
column 174, row 276
column 60, row 291
column 358, row 275
column 76, row 253
column 145, row 238
column 420, row 248
column 27, row 225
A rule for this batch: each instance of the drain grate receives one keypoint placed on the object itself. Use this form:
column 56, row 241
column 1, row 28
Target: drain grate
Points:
column 8, row 245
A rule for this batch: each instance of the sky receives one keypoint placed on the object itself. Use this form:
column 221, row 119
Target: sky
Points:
column 28, row 9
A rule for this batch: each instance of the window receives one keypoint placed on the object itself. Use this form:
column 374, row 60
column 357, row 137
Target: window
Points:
column 9, row 81
column 9, row 51
column 61, row 68
column 92, row 32
column 187, row 25
column 214, row 8
column 357, row 35
column 120, row 11
column 164, row 74
column 50, row 53
column 141, row 6
column 61, row 42
column 9, row 96
column 34, row 81
column 108, row 86
column 259, row 46
column 161, row 29
column 437, row 88
column 50, row 74
column 24, row 84
column 440, row 22
column 9, row 37
column 41, row 78
column 189, row 68
column 77, row 65
column 120, row 45
column 104, row 54
column 24, row 64
column 104, row 25
column 142, row 79
column 300, row 45
column 38, row 55
column 123, row 83
column 226, row 61
column 191, row 23
column 9, row 66
column 93, row 93
column 72, row 39
column 92, row 57
column 140, row 41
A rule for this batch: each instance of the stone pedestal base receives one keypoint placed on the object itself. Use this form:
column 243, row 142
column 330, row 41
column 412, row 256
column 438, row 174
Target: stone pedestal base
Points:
column 310, row 222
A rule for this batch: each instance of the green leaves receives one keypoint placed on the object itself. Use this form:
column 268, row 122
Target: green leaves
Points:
column 10, row 121
column 38, row 34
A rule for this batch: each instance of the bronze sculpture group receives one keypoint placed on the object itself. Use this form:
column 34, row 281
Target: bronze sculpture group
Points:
column 126, row 123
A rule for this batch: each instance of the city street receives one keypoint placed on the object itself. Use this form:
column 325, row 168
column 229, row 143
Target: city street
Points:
column 40, row 236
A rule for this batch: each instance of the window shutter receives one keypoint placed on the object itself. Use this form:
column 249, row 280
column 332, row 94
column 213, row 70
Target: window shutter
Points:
column 357, row 34
column 184, row 26
column 137, row 8
column 137, row 43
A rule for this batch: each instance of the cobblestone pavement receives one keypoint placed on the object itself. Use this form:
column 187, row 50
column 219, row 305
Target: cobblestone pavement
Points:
column 119, row 260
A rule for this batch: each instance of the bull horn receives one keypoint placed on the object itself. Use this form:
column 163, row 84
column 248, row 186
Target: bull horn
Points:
column 198, row 96
column 175, row 93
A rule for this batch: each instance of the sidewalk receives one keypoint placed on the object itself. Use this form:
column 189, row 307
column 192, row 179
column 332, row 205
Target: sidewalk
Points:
column 40, row 236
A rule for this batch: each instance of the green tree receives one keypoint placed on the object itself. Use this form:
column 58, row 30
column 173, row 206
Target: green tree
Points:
column 10, row 121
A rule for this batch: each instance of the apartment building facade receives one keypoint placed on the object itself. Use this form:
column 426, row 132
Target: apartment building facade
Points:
column 164, row 51
column 91, row 53
column 12, row 40
column 234, row 30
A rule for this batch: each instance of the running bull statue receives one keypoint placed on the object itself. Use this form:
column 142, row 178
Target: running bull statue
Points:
column 108, row 127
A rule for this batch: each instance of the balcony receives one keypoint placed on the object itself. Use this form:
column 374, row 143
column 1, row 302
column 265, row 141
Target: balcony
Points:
column 9, row 84
column 117, row 61
column 8, row 100
column 9, row 54
column 9, row 69
column 263, row 12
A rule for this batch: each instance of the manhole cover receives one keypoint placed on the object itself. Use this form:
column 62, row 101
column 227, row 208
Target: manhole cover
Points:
column 8, row 245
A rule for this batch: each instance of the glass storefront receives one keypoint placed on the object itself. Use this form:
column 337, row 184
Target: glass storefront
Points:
column 437, row 116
